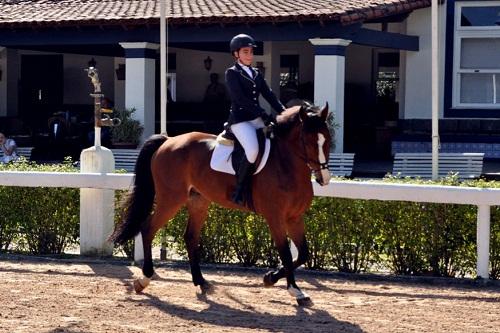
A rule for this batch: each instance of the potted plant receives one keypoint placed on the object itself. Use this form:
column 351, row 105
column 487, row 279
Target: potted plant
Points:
column 128, row 133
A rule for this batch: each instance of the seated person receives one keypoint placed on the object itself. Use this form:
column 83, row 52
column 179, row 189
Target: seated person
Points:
column 216, row 92
column 216, row 98
column 8, row 149
column 58, row 128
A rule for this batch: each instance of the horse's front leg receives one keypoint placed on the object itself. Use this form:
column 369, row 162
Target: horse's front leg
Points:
column 278, row 232
column 296, row 232
column 198, row 210
column 272, row 277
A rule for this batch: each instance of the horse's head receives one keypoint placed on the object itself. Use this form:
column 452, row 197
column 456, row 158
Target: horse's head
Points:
column 314, row 137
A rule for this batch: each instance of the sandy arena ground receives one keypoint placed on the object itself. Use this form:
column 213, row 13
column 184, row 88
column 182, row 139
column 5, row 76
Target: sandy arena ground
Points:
column 38, row 295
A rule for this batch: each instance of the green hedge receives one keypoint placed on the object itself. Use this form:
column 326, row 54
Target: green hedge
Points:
column 37, row 219
column 345, row 235
column 353, row 236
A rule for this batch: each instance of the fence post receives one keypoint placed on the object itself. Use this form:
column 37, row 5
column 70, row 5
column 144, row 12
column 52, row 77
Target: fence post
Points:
column 97, row 206
column 483, row 241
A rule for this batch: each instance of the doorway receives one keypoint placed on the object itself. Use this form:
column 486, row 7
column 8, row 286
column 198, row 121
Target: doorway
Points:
column 371, row 108
column 40, row 89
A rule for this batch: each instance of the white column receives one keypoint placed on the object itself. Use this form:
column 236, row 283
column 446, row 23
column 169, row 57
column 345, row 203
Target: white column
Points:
column 97, row 206
column 329, row 80
column 483, row 241
column 140, row 83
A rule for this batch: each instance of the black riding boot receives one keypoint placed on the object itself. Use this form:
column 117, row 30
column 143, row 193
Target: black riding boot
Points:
column 243, row 182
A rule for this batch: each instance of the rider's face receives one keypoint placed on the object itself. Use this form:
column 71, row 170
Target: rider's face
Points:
column 245, row 55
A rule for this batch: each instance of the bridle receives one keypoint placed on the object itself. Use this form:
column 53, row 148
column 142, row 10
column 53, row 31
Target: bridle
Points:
column 305, row 158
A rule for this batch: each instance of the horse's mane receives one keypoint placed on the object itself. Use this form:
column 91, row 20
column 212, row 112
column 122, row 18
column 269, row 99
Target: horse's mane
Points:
column 290, row 117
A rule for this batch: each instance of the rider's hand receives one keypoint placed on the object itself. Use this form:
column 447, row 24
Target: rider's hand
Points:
column 268, row 118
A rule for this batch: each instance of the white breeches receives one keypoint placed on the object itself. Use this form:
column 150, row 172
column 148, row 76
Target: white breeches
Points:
column 246, row 134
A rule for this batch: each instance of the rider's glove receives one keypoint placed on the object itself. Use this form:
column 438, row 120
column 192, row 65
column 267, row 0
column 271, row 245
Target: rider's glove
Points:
column 268, row 118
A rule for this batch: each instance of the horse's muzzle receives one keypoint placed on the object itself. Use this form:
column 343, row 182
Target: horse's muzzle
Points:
column 322, row 176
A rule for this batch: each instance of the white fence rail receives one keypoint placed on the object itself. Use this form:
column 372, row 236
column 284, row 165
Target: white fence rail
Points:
column 109, row 181
column 484, row 198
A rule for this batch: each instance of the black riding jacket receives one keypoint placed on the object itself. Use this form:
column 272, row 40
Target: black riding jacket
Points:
column 245, row 91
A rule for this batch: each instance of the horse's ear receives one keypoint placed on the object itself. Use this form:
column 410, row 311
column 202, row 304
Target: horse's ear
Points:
column 324, row 112
column 303, row 112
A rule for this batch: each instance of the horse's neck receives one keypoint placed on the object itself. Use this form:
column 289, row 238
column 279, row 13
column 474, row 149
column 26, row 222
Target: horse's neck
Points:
column 290, row 156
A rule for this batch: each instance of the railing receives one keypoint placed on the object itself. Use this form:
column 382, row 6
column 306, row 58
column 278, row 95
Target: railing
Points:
column 483, row 198
column 109, row 181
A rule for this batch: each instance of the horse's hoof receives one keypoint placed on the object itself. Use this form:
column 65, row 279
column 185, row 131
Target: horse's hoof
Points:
column 305, row 302
column 268, row 279
column 138, row 286
column 207, row 288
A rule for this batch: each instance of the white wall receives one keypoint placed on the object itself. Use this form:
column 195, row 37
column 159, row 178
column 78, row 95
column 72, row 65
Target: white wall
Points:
column 305, row 51
column 417, row 101
column 192, row 77
column 272, row 53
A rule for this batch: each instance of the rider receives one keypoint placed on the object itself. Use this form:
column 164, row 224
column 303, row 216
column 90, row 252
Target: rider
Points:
column 245, row 83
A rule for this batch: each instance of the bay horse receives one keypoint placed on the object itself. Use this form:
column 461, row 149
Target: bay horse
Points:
column 171, row 172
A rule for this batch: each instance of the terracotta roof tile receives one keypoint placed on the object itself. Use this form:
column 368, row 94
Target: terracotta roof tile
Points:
column 81, row 12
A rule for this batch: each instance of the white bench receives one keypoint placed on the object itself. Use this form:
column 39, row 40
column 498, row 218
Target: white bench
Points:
column 24, row 151
column 125, row 158
column 340, row 164
column 467, row 165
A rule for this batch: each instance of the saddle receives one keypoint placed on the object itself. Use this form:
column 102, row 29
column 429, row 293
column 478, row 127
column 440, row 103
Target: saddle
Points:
column 228, row 152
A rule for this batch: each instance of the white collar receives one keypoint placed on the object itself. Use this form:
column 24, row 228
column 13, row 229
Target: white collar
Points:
column 246, row 69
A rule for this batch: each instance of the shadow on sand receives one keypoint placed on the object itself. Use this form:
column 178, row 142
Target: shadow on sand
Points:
column 305, row 320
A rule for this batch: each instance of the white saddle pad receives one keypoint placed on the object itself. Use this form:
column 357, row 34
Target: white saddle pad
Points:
column 221, row 158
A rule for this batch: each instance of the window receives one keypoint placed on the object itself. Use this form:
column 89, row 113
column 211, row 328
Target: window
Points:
column 386, row 84
column 387, row 75
column 483, row 16
column 476, row 80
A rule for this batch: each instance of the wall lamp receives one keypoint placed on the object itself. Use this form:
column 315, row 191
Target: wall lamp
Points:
column 208, row 63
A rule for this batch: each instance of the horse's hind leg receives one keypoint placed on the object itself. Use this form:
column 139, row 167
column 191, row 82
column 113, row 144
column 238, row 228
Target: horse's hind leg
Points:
column 164, row 211
column 197, row 207
column 279, row 235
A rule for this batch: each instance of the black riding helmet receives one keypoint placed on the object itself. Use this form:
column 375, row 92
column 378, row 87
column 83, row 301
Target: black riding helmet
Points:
column 240, row 41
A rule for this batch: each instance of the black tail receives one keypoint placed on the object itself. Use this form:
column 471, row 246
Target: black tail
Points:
column 139, row 203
